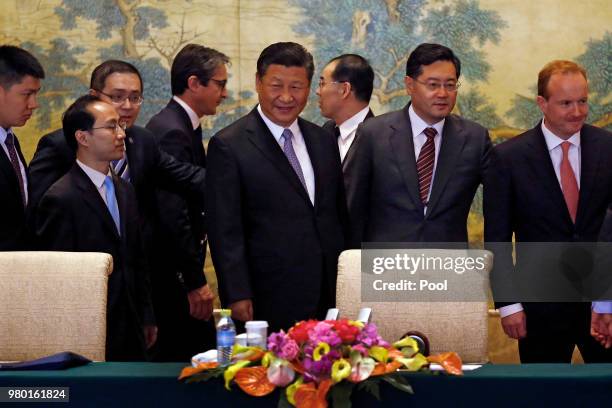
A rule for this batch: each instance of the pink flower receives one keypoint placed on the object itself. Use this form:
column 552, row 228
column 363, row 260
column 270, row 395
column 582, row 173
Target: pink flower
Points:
column 283, row 346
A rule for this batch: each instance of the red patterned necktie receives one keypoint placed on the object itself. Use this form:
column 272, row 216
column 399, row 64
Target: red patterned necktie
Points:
column 569, row 185
column 425, row 164
column 10, row 146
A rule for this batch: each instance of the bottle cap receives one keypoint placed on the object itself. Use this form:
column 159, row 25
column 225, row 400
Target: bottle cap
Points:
column 223, row 312
column 256, row 324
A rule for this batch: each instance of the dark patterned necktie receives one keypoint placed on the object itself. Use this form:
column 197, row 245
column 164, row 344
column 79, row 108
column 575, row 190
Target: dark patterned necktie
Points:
column 121, row 169
column 425, row 164
column 337, row 131
column 291, row 156
column 10, row 146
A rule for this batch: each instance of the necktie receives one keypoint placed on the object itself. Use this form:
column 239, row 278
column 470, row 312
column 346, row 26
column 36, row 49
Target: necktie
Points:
column 121, row 168
column 111, row 202
column 425, row 164
column 10, row 146
column 569, row 185
column 337, row 131
column 291, row 156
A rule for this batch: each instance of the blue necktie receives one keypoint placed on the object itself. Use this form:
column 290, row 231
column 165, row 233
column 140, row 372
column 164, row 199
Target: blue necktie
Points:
column 111, row 202
column 291, row 156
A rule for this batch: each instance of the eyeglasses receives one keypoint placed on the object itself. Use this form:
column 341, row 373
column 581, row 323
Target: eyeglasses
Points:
column 135, row 99
column 222, row 83
column 322, row 82
column 434, row 86
column 113, row 128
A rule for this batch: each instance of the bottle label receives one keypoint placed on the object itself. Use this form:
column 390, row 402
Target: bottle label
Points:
column 226, row 338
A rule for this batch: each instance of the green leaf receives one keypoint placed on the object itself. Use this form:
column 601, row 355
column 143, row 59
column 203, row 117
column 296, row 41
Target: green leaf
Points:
column 341, row 394
column 398, row 382
column 371, row 386
column 205, row 375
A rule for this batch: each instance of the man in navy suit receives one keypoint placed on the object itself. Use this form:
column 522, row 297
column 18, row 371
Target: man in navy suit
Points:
column 275, row 200
column 20, row 76
column 89, row 209
column 198, row 78
column 553, row 184
column 601, row 316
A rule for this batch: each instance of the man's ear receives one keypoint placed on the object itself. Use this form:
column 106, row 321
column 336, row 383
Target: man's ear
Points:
column 81, row 137
column 346, row 89
column 409, row 83
column 193, row 82
column 542, row 102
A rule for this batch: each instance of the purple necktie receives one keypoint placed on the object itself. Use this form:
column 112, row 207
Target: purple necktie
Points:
column 425, row 164
column 10, row 146
column 291, row 156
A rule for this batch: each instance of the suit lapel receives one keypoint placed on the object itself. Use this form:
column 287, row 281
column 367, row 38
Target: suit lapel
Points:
column 402, row 150
column 349, row 154
column 92, row 198
column 262, row 138
column 538, row 157
column 590, row 158
column 451, row 145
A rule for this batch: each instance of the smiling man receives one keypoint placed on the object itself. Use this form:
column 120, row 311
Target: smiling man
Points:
column 275, row 200
column 91, row 210
column 20, row 75
column 416, row 170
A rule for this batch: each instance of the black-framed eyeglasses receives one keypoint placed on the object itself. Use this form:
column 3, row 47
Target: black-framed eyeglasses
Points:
column 322, row 82
column 434, row 86
column 113, row 128
column 135, row 99
column 221, row 83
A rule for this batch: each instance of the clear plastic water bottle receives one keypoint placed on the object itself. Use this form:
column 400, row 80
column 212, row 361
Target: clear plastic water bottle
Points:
column 226, row 335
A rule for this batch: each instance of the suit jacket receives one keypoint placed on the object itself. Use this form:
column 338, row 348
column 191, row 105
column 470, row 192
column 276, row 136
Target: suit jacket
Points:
column 149, row 168
column 182, row 243
column 13, row 236
column 522, row 195
column 268, row 242
column 330, row 125
column 383, row 192
column 72, row 216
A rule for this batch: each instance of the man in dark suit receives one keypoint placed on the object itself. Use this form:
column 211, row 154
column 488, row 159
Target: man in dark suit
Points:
column 198, row 79
column 91, row 210
column 601, row 316
column 553, row 184
column 344, row 91
column 275, row 200
column 20, row 75
column 416, row 170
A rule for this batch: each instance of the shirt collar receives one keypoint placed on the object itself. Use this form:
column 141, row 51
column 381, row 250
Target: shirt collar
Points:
column 4, row 133
column 195, row 121
column 96, row 177
column 348, row 126
column 553, row 141
column 276, row 130
column 419, row 125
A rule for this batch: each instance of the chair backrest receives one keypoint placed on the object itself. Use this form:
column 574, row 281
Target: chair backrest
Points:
column 449, row 326
column 52, row 302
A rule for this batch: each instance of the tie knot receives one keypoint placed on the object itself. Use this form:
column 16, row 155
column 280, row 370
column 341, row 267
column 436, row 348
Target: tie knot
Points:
column 430, row 132
column 108, row 182
column 10, row 139
column 565, row 147
column 337, row 131
column 287, row 134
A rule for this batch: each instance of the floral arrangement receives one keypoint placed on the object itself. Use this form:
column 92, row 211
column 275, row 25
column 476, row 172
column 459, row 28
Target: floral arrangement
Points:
column 317, row 358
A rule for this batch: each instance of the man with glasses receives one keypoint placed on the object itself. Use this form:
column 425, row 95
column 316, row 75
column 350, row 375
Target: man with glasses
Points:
column 198, row 81
column 89, row 209
column 416, row 170
column 344, row 91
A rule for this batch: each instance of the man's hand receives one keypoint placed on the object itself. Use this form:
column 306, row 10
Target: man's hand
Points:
column 242, row 310
column 515, row 325
column 150, row 335
column 201, row 302
column 601, row 328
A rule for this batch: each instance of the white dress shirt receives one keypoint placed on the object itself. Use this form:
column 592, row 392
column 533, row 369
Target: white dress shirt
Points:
column 348, row 128
column 195, row 121
column 419, row 139
column 22, row 167
column 553, row 143
column 96, row 178
column 300, row 150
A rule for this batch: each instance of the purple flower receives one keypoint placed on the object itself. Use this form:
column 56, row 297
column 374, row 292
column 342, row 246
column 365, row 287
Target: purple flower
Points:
column 324, row 333
column 369, row 336
column 283, row 346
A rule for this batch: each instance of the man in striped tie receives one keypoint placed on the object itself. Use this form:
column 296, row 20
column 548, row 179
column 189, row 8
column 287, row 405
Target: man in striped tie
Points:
column 416, row 170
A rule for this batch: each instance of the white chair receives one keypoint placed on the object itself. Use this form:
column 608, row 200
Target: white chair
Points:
column 52, row 302
column 449, row 326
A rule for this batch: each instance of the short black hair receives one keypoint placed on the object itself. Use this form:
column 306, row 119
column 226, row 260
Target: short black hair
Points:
column 196, row 60
column 288, row 54
column 109, row 67
column 427, row 54
column 78, row 117
column 15, row 63
column 356, row 70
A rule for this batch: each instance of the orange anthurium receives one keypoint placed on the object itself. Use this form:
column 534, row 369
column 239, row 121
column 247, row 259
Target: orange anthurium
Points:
column 382, row 368
column 450, row 361
column 309, row 396
column 254, row 381
column 189, row 371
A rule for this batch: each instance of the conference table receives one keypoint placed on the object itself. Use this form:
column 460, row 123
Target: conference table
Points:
column 156, row 385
